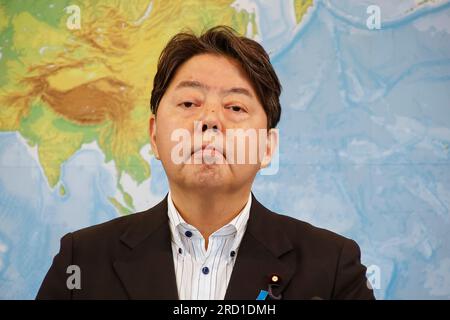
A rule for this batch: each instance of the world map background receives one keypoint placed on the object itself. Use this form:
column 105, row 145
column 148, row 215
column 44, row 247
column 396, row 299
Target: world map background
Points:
column 365, row 127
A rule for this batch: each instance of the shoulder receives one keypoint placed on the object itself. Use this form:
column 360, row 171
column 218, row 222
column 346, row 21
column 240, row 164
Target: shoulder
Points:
column 327, row 255
column 111, row 233
column 304, row 235
column 112, row 227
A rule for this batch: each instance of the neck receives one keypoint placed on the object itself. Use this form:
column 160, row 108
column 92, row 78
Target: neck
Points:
column 208, row 212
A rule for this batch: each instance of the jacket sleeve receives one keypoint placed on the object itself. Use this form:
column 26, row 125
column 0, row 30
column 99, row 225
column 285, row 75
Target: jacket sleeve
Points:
column 54, row 285
column 351, row 281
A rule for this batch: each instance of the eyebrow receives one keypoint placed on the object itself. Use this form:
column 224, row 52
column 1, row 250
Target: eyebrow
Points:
column 204, row 87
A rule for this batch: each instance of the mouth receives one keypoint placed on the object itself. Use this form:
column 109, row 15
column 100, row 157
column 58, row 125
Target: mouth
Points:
column 208, row 151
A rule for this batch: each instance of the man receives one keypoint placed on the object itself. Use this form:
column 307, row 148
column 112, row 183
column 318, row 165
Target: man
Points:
column 210, row 238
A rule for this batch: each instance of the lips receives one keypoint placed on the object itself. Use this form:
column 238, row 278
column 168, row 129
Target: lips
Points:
column 209, row 149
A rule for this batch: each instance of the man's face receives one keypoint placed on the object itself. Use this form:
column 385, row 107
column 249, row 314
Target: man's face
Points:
column 208, row 96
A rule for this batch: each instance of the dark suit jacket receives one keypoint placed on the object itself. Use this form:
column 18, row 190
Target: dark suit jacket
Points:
column 131, row 258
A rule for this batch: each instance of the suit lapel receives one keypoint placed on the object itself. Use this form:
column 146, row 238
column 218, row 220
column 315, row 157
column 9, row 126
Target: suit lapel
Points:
column 146, row 270
column 264, row 250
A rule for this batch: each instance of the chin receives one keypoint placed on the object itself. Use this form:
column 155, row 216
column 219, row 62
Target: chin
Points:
column 208, row 176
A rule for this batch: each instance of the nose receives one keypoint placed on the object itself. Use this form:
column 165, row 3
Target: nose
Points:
column 211, row 120
column 206, row 126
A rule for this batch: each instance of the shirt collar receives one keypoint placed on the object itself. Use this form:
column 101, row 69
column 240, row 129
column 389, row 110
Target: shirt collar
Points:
column 237, row 226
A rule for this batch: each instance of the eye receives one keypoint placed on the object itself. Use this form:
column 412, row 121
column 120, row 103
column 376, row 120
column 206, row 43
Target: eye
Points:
column 236, row 108
column 187, row 104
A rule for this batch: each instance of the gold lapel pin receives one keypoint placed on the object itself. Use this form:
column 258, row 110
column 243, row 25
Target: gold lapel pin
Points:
column 274, row 278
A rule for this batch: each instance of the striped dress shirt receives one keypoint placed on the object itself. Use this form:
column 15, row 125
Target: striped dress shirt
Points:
column 204, row 274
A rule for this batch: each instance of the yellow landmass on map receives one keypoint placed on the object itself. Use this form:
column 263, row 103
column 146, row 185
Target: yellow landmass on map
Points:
column 63, row 88
column 301, row 7
column 68, row 87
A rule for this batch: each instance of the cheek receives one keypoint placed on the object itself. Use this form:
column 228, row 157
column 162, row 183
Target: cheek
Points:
column 164, row 138
column 163, row 133
column 170, row 136
column 261, row 121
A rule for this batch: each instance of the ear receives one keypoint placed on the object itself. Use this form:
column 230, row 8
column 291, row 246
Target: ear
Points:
column 152, row 131
column 271, row 147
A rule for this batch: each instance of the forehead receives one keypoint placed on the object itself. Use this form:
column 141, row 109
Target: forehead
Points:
column 216, row 71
